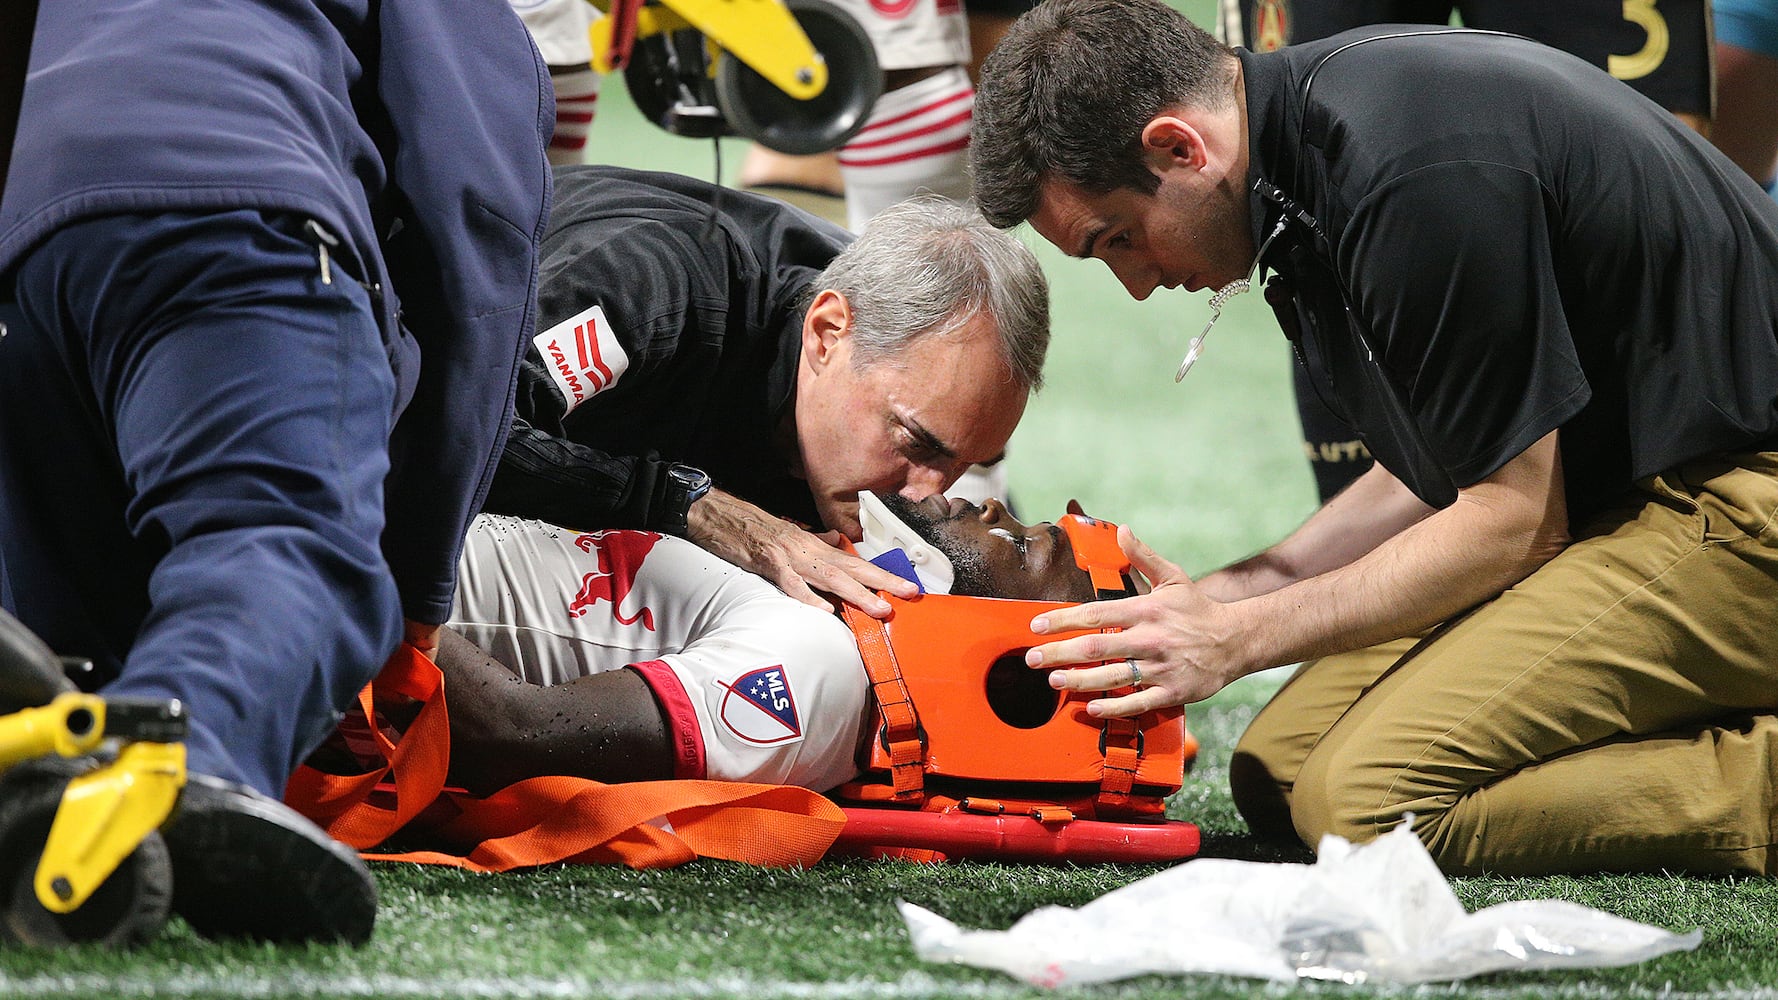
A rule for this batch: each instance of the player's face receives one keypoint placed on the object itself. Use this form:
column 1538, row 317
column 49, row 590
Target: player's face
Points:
column 906, row 427
column 1187, row 234
column 994, row 555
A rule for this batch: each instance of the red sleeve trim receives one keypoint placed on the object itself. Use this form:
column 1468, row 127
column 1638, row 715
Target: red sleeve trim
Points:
column 680, row 716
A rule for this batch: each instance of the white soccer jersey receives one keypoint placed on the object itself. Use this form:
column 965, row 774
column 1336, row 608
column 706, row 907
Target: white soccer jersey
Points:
column 754, row 686
column 912, row 34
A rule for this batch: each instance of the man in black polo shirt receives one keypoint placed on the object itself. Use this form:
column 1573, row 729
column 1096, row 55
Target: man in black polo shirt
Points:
column 1552, row 312
column 1663, row 53
column 712, row 363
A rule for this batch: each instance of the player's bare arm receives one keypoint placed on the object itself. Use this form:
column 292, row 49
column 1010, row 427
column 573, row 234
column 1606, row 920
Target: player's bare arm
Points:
column 606, row 727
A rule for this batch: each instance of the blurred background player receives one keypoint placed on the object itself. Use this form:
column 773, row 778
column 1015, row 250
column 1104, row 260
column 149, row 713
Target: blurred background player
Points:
column 917, row 138
column 559, row 27
column 918, row 133
column 1746, row 126
column 1660, row 47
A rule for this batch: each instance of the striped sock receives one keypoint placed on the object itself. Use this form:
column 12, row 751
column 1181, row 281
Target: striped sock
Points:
column 577, row 100
column 917, row 139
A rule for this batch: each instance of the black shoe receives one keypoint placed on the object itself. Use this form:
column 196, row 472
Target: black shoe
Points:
column 245, row 865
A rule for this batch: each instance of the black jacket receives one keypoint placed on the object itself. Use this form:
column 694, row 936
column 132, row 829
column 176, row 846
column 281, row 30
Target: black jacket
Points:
column 671, row 317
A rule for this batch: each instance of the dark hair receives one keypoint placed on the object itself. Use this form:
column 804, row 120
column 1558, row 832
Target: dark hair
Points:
column 1069, row 89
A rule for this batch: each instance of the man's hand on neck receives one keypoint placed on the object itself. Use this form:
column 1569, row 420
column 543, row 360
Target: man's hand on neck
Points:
column 796, row 561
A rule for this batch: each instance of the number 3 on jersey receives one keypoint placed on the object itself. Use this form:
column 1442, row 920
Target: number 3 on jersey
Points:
column 1647, row 59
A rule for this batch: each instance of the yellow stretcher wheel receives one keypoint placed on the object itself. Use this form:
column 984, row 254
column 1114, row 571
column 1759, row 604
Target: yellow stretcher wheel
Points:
column 129, row 907
column 756, row 109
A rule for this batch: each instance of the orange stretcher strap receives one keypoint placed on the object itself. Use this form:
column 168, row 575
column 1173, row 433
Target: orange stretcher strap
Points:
column 1123, row 755
column 649, row 824
column 642, row 824
column 901, row 733
column 414, row 768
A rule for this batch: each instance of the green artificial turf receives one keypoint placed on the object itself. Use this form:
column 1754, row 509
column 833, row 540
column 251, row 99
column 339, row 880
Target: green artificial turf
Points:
column 1206, row 472
column 717, row 929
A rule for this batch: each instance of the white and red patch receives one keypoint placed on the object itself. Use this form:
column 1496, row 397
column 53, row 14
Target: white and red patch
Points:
column 758, row 707
column 583, row 356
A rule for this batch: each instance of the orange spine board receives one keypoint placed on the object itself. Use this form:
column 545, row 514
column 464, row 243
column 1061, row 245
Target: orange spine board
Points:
column 989, row 717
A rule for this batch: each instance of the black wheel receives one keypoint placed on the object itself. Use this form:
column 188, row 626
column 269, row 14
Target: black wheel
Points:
column 128, row 907
column 669, row 81
column 760, row 111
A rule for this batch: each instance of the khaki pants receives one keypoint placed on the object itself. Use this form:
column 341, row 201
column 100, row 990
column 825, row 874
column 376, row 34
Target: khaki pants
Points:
column 1615, row 711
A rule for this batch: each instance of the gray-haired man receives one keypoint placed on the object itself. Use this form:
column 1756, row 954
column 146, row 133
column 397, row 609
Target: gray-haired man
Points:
column 712, row 363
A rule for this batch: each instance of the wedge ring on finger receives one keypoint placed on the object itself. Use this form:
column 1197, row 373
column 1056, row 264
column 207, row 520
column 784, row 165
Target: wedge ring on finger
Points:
column 1135, row 673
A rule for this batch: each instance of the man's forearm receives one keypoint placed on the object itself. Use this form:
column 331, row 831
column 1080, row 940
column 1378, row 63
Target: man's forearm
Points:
column 1374, row 508
column 1496, row 534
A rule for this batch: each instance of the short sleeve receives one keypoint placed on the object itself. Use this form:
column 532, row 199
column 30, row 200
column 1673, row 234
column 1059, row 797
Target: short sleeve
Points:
column 1456, row 287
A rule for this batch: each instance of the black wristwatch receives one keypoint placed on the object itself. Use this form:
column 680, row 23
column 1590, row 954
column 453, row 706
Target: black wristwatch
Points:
column 683, row 486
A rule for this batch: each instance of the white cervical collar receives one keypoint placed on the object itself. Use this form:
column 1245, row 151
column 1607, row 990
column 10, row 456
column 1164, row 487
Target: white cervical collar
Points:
column 883, row 531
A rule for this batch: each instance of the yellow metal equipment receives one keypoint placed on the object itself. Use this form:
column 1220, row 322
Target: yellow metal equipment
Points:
column 80, row 855
column 798, row 76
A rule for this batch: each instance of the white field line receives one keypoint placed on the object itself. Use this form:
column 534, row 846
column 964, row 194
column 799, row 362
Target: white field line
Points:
column 914, row 986
column 194, row 984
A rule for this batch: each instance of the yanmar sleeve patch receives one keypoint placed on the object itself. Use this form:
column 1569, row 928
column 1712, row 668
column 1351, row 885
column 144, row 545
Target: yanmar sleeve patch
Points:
column 583, row 356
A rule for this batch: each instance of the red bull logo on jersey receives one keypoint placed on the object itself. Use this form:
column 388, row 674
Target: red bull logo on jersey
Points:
column 620, row 555
column 583, row 355
column 759, row 708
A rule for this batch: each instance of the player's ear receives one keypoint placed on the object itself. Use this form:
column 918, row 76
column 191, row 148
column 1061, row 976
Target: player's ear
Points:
column 1172, row 141
column 826, row 328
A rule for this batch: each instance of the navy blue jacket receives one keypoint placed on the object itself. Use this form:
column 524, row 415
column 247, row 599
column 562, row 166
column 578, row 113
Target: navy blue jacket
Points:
column 414, row 129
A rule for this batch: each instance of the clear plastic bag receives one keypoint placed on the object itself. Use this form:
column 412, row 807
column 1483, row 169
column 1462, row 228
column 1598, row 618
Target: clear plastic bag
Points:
column 1378, row 913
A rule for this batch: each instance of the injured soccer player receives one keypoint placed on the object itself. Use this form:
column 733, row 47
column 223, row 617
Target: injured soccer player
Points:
column 632, row 656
